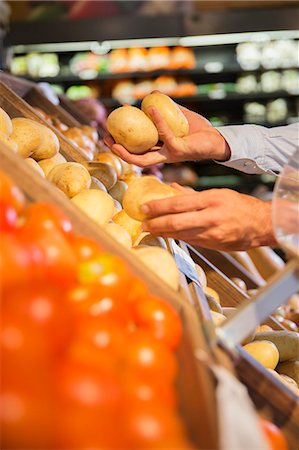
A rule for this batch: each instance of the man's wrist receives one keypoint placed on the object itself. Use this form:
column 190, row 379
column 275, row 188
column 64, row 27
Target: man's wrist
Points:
column 265, row 233
column 223, row 149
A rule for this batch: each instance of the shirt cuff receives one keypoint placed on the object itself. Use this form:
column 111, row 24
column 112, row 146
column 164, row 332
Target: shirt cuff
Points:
column 247, row 148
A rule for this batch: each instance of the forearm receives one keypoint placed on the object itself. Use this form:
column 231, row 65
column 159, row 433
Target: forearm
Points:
column 264, row 233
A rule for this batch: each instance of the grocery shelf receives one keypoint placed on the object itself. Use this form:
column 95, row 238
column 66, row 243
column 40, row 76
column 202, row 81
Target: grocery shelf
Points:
column 232, row 96
column 230, row 69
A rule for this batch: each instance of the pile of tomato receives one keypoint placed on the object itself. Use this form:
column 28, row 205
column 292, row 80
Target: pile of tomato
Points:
column 88, row 354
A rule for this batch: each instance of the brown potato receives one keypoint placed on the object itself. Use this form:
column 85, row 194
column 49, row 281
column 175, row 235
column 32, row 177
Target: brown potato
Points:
column 96, row 204
column 97, row 184
column 70, row 177
column 120, row 234
column 169, row 110
column 5, row 123
column 27, row 134
column 32, row 163
column 142, row 190
column 134, row 227
column 148, row 239
column 131, row 128
column 49, row 163
column 166, row 268
column 265, row 352
column 112, row 160
column 8, row 142
column 49, row 145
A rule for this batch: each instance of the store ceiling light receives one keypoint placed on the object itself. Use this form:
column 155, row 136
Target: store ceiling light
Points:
column 188, row 41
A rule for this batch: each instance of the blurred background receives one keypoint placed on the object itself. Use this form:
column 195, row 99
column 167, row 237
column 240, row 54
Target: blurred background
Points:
column 234, row 62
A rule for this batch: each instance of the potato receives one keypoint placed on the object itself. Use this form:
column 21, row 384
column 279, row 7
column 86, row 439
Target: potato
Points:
column 34, row 139
column 130, row 177
column 112, row 160
column 27, row 134
column 286, row 380
column 133, row 227
column 126, row 168
column 287, row 343
column 49, row 163
column 169, row 110
column 97, row 184
column 118, row 191
column 5, row 123
column 8, row 142
column 96, row 204
column 240, row 283
column 70, row 177
column 265, row 352
column 103, row 172
column 142, row 190
column 290, row 368
column 212, row 293
column 160, row 262
column 131, row 128
column 32, row 163
column 148, row 239
column 262, row 328
column 218, row 318
column 49, row 145
column 119, row 234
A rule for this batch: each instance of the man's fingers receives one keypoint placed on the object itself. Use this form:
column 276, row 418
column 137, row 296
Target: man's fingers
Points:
column 193, row 201
column 165, row 133
column 148, row 159
column 174, row 223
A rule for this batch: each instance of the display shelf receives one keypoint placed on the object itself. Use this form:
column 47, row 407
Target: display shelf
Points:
column 229, row 69
column 230, row 97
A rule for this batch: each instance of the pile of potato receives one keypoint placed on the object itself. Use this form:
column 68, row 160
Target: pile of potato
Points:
column 100, row 189
column 276, row 350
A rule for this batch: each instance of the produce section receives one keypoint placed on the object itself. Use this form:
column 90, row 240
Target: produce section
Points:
column 283, row 385
column 111, row 337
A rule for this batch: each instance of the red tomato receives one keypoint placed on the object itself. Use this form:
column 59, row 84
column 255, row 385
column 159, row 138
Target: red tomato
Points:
column 274, row 436
column 15, row 262
column 27, row 418
column 137, row 290
column 98, row 342
column 151, row 426
column 8, row 217
column 52, row 255
column 11, row 194
column 42, row 312
column 89, row 402
column 46, row 216
column 147, row 357
column 85, row 248
column 142, row 390
column 158, row 317
column 99, row 302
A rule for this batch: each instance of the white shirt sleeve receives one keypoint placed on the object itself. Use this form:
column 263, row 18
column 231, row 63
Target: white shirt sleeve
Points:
column 256, row 149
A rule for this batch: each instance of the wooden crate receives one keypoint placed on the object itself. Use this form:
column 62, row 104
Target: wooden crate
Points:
column 194, row 376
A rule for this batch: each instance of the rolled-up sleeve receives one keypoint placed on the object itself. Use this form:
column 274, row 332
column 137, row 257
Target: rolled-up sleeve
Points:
column 256, row 149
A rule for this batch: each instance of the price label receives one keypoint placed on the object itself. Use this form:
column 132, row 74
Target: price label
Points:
column 185, row 263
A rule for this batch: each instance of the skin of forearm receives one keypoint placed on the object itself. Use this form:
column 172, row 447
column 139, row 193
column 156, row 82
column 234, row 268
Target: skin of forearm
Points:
column 264, row 227
column 207, row 144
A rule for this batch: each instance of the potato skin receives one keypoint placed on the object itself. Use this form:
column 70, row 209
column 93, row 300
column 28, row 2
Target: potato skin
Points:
column 169, row 110
column 48, row 163
column 130, row 127
column 5, row 123
column 70, row 177
column 8, row 142
column 96, row 204
column 287, row 343
column 27, row 135
column 265, row 352
column 142, row 190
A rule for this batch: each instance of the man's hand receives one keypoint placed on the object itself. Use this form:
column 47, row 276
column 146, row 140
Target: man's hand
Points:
column 219, row 219
column 202, row 142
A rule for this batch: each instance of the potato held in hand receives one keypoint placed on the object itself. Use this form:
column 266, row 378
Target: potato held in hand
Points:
column 96, row 204
column 169, row 110
column 160, row 262
column 142, row 190
column 130, row 127
column 70, row 177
